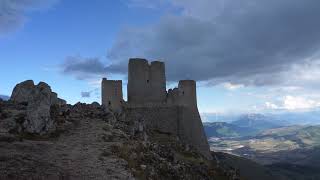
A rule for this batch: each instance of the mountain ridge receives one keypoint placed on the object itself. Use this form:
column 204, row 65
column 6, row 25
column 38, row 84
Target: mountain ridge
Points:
column 4, row 97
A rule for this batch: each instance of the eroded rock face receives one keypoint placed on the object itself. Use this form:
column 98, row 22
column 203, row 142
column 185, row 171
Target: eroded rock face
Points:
column 23, row 91
column 39, row 99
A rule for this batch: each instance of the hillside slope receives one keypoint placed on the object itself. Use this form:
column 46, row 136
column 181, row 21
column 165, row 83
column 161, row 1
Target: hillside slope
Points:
column 258, row 122
column 223, row 129
column 91, row 143
column 249, row 169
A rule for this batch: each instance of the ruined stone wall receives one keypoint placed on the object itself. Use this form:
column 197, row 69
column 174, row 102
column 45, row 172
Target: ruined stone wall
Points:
column 157, row 86
column 187, row 93
column 146, row 83
column 111, row 94
column 161, row 118
column 191, row 130
column 173, row 96
column 184, row 95
column 190, row 125
column 175, row 112
column 181, row 121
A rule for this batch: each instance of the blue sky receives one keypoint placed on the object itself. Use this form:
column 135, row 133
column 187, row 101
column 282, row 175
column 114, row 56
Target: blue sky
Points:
column 247, row 56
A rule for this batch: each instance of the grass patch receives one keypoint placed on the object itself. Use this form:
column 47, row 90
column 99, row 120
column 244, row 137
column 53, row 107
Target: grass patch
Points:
column 125, row 152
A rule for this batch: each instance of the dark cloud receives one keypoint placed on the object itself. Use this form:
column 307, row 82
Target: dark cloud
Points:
column 242, row 42
column 83, row 68
column 12, row 12
column 88, row 94
column 87, row 68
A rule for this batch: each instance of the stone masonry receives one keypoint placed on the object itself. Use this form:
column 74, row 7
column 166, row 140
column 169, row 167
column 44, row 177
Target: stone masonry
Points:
column 146, row 83
column 174, row 111
column 111, row 93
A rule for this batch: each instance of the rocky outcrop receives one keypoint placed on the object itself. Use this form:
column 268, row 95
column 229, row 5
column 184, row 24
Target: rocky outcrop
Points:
column 39, row 100
column 23, row 91
column 27, row 91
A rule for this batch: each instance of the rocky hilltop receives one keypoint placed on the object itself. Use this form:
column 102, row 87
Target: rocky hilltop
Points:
column 43, row 137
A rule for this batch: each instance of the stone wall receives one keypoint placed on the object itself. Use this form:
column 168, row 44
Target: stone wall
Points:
column 111, row 94
column 161, row 118
column 173, row 96
column 187, row 93
column 181, row 121
column 146, row 83
column 191, row 130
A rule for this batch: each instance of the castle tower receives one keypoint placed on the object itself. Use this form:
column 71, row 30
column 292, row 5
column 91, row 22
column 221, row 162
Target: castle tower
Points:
column 187, row 93
column 191, row 128
column 146, row 83
column 111, row 94
column 178, row 113
column 157, row 86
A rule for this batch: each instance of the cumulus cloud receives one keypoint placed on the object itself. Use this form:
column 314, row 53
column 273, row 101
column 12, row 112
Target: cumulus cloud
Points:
column 294, row 103
column 270, row 105
column 230, row 86
column 13, row 12
column 240, row 42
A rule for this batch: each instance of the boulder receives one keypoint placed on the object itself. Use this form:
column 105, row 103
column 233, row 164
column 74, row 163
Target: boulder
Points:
column 39, row 99
column 23, row 91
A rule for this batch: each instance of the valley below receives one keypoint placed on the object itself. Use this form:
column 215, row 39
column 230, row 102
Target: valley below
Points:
column 289, row 152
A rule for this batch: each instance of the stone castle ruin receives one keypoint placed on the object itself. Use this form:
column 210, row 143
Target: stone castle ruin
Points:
column 111, row 93
column 174, row 111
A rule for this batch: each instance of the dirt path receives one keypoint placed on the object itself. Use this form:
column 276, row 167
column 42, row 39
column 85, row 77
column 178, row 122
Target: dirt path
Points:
column 81, row 153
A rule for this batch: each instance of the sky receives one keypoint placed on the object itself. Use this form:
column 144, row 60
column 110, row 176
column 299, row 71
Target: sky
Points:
column 247, row 56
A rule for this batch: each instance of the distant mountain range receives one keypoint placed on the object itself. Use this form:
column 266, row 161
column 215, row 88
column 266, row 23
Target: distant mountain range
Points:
column 280, row 118
column 223, row 129
column 286, row 145
column 245, row 125
column 299, row 118
column 258, row 122
column 4, row 97
column 290, row 152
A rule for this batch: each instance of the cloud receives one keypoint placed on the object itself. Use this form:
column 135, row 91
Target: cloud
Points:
column 294, row 103
column 13, row 12
column 86, row 94
column 241, row 42
column 230, row 86
column 270, row 105
column 85, row 68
